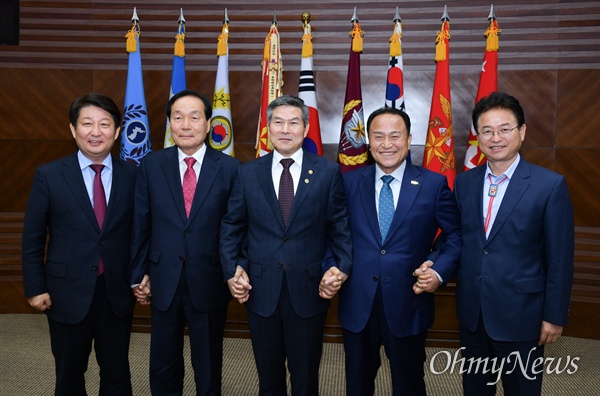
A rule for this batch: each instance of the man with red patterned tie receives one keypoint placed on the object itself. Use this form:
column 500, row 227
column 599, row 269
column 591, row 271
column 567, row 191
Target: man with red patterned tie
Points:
column 181, row 195
column 82, row 204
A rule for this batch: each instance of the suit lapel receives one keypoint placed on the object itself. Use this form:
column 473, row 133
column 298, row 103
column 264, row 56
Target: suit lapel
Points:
column 116, row 190
column 265, row 180
column 308, row 174
column 170, row 167
column 208, row 174
column 516, row 188
column 74, row 179
column 411, row 185
column 366, row 191
column 474, row 198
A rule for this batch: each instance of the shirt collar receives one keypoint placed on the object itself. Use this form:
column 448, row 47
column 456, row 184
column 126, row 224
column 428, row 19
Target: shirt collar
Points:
column 198, row 155
column 297, row 157
column 85, row 162
column 509, row 172
column 397, row 174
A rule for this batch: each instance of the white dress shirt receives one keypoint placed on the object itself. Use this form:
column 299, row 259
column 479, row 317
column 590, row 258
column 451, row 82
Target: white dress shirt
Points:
column 295, row 169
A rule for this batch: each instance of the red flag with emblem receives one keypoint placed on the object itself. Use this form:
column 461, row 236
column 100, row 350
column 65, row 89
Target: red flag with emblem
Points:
column 439, row 146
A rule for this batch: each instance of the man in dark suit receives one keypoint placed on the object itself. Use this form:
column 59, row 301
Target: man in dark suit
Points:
column 181, row 195
column 388, row 299
column 81, row 283
column 272, row 254
column 514, row 278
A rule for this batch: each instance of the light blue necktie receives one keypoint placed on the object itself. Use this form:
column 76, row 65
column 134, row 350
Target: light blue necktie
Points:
column 386, row 206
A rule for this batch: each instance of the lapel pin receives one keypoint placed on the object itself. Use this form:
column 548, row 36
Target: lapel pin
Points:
column 310, row 172
column 414, row 182
column 306, row 181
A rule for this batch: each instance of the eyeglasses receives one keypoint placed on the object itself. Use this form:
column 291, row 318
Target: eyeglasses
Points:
column 488, row 133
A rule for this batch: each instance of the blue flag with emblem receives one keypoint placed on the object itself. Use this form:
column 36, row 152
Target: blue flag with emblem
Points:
column 135, row 132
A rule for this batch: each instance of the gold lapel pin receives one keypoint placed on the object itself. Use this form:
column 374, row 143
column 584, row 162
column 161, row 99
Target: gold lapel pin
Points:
column 310, row 172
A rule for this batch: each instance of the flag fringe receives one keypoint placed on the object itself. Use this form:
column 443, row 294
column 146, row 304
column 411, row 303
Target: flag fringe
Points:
column 132, row 34
column 492, row 43
column 307, row 47
column 357, row 38
column 395, row 47
column 440, row 44
column 179, row 45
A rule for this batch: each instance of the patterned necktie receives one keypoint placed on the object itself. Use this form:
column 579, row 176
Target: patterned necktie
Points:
column 286, row 190
column 99, row 203
column 189, row 185
column 386, row 206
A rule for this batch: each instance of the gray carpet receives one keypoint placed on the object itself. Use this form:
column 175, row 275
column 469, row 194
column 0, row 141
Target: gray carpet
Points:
column 27, row 367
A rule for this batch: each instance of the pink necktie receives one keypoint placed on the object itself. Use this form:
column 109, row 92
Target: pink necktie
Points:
column 99, row 203
column 189, row 185
column 286, row 190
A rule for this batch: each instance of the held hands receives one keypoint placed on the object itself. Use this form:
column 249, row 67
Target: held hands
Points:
column 142, row 291
column 40, row 302
column 239, row 285
column 331, row 282
column 427, row 279
column 549, row 333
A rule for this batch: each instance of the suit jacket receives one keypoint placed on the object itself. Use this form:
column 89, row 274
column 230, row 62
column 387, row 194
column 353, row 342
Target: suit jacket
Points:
column 424, row 205
column 522, row 274
column 165, row 243
column 254, row 237
column 59, row 207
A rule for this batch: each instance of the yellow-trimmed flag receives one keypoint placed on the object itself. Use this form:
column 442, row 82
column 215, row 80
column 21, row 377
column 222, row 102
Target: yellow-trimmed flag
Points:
column 307, row 92
column 178, row 82
column 439, row 146
column 353, row 152
column 488, row 83
column 221, row 127
column 272, row 81
column 135, row 132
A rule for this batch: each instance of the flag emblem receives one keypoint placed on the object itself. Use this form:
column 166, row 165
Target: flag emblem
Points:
column 220, row 133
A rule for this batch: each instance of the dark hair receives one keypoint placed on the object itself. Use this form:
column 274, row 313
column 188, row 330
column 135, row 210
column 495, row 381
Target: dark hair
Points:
column 389, row 110
column 498, row 100
column 97, row 100
column 190, row 92
column 288, row 100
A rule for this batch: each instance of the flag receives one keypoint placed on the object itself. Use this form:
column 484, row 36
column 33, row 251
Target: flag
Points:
column 135, row 133
column 307, row 91
column 221, row 127
column 178, row 71
column 439, row 146
column 272, row 69
column 394, row 89
column 488, row 83
column 353, row 152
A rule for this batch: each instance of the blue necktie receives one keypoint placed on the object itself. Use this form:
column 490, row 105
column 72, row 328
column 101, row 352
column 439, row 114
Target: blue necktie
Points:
column 386, row 206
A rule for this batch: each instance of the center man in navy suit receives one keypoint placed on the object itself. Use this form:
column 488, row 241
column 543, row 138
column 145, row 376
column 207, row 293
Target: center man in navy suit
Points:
column 180, row 197
column 395, row 211
column 272, row 256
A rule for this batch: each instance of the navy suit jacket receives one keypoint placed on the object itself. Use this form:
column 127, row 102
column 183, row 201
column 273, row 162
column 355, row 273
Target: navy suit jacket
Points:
column 425, row 204
column 254, row 237
column 521, row 275
column 165, row 243
column 59, row 206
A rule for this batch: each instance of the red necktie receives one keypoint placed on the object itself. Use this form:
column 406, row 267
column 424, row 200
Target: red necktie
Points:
column 99, row 203
column 286, row 190
column 189, row 184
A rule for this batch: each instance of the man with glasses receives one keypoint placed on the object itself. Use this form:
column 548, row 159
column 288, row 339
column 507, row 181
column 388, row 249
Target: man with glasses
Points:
column 514, row 278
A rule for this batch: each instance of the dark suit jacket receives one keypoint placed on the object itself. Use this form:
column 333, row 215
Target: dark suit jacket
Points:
column 59, row 206
column 254, row 220
column 166, row 243
column 424, row 205
column 522, row 274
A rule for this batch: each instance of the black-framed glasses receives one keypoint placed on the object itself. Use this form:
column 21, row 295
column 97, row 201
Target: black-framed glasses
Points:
column 503, row 132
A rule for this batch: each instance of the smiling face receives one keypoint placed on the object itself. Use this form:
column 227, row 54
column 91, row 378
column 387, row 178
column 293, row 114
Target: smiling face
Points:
column 95, row 133
column 501, row 151
column 389, row 141
column 287, row 130
column 189, row 125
